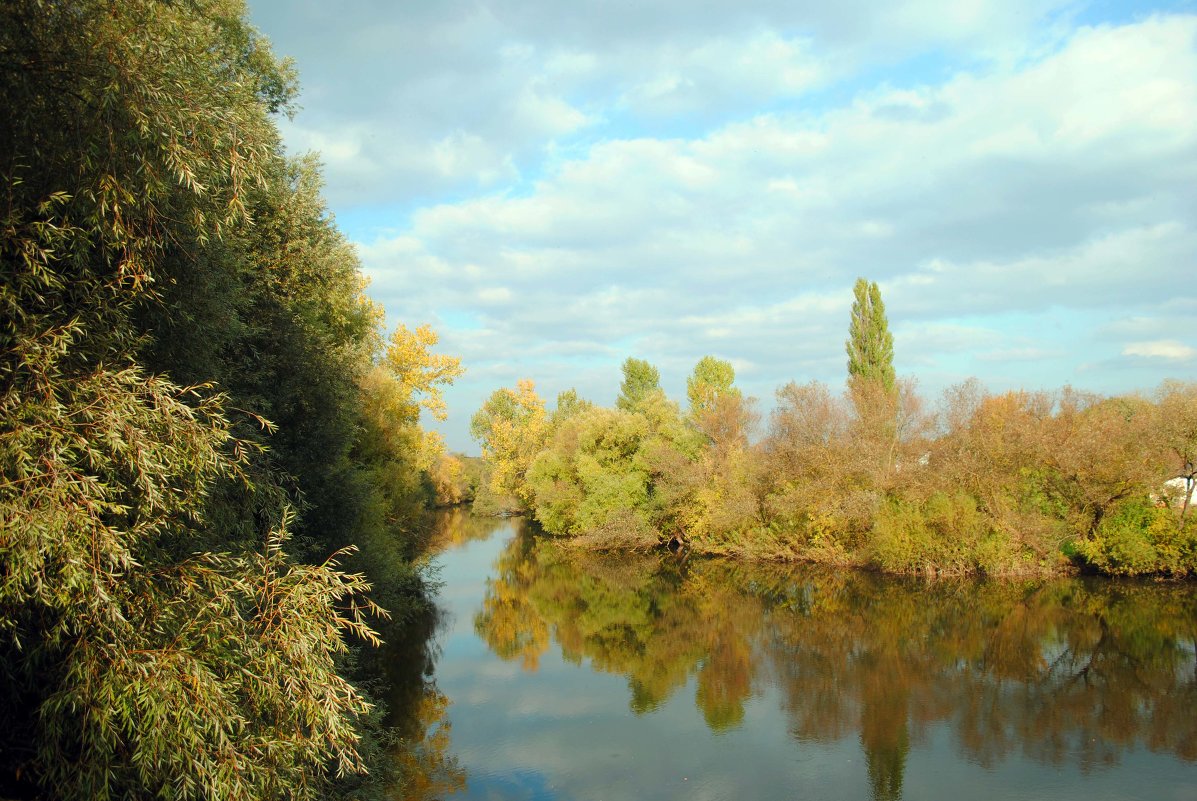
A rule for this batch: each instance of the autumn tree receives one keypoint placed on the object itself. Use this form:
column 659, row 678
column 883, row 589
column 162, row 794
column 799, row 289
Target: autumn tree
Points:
column 720, row 484
column 405, row 465
column 419, row 372
column 1177, row 409
column 412, row 378
column 512, row 427
column 804, row 454
column 712, row 378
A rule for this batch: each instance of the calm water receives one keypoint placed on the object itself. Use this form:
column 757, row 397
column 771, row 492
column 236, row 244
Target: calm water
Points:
column 559, row 675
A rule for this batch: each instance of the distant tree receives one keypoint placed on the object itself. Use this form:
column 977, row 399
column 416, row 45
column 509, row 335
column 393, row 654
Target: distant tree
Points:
column 870, row 345
column 712, row 378
column 405, row 464
column 512, row 427
column 569, row 404
column 1100, row 452
column 639, row 379
column 1178, row 427
column 590, row 473
column 449, row 481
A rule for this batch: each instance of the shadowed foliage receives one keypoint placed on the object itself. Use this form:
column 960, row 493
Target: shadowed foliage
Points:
column 186, row 357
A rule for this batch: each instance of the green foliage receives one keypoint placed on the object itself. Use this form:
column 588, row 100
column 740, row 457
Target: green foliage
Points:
column 712, row 378
column 589, row 471
column 185, row 352
column 168, row 132
column 870, row 345
column 145, row 671
column 601, row 472
column 945, row 534
column 1140, row 537
column 174, row 701
column 569, row 404
column 640, row 379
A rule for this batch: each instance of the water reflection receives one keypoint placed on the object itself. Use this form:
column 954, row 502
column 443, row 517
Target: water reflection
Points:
column 421, row 760
column 418, row 733
column 1068, row 672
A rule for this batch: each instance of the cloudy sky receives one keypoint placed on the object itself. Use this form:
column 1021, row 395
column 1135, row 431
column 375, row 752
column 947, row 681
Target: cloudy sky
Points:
column 557, row 186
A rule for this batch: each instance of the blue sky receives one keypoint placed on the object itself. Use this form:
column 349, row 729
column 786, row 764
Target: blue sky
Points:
column 557, row 186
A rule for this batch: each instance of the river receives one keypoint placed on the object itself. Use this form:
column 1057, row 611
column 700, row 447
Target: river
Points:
column 554, row 674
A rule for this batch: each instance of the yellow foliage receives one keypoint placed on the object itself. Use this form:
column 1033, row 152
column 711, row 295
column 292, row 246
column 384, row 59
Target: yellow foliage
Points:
column 419, row 371
column 393, row 392
column 447, row 481
column 512, row 427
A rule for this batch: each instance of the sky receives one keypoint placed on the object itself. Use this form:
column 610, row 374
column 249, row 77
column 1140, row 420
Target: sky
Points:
column 557, row 186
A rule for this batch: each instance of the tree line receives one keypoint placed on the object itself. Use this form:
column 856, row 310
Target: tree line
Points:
column 208, row 445
column 1007, row 483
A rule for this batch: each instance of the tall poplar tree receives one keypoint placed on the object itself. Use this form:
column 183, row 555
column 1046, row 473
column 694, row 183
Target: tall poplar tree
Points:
column 870, row 345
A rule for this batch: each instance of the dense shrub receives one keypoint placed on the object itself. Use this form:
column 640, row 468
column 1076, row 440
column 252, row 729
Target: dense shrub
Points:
column 1141, row 537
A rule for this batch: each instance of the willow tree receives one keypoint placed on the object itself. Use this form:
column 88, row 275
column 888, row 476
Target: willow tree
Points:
column 133, row 662
column 870, row 345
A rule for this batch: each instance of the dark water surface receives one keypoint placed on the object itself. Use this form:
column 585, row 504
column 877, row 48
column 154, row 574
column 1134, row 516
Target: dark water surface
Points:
column 563, row 675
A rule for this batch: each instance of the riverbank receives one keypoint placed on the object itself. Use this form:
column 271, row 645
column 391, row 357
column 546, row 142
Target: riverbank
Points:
column 919, row 552
column 1016, row 483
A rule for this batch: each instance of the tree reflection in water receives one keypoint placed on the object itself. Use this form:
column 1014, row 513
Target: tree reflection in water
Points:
column 418, row 733
column 1066, row 671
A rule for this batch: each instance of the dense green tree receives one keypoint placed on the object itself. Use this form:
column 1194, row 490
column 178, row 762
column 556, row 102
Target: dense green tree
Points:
column 639, row 380
column 588, row 474
column 870, row 345
column 171, row 293
column 600, row 472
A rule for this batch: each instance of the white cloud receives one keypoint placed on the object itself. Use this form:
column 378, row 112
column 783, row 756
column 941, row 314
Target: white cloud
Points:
column 718, row 74
column 1161, row 349
column 494, row 295
column 519, row 77
column 679, row 184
